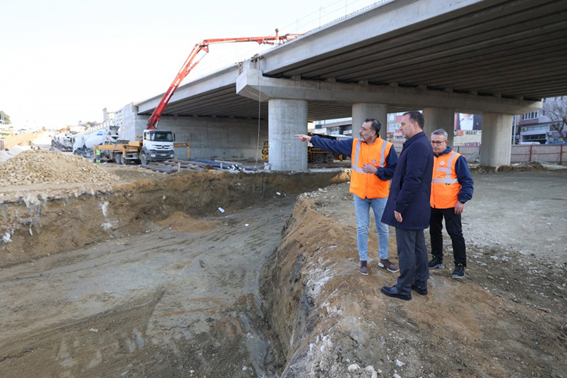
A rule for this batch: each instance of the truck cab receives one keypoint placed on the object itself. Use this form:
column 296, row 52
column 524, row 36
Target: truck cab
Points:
column 4, row 134
column 157, row 145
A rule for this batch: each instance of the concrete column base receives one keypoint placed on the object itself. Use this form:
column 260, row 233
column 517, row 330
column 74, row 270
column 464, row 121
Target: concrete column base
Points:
column 285, row 119
column 362, row 111
column 440, row 118
column 496, row 145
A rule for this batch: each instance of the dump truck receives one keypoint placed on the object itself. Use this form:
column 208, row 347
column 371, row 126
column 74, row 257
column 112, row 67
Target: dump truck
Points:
column 63, row 142
column 314, row 154
column 5, row 134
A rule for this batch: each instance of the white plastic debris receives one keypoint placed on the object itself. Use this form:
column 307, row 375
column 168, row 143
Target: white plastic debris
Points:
column 371, row 370
column 353, row 367
column 221, row 209
column 93, row 330
column 246, row 225
column 7, row 237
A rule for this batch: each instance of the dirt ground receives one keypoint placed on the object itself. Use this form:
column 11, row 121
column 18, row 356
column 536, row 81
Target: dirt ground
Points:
column 507, row 318
column 215, row 274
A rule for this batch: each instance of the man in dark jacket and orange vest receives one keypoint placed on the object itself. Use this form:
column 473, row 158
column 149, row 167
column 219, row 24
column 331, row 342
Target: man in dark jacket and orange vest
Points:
column 451, row 188
column 373, row 164
column 408, row 208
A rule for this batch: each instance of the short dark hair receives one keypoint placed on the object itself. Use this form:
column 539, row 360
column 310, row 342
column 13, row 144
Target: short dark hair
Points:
column 374, row 125
column 416, row 116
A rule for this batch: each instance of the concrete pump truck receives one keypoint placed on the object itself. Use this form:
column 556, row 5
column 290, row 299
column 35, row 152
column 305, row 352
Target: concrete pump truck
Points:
column 157, row 145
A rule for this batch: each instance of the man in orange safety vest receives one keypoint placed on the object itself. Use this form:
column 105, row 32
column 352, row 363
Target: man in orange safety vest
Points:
column 373, row 164
column 451, row 188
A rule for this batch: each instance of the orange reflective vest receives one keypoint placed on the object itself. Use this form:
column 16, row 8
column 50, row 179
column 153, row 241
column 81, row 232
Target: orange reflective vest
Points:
column 367, row 185
column 445, row 187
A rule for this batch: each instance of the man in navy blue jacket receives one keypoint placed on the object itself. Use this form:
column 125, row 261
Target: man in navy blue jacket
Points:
column 408, row 208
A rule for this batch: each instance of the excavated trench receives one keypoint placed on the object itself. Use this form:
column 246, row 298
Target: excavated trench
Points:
column 217, row 274
column 149, row 277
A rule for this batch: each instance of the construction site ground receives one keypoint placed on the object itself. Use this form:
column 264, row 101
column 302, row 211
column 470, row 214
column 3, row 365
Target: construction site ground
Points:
column 219, row 274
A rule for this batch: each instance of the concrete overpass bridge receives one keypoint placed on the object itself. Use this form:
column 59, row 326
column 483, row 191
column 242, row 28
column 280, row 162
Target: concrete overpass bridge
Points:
column 495, row 57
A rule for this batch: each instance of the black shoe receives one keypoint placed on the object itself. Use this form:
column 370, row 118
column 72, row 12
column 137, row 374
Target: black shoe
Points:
column 393, row 292
column 420, row 290
column 436, row 263
column 459, row 271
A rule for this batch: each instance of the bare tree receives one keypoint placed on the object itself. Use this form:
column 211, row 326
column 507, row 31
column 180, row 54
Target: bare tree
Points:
column 556, row 109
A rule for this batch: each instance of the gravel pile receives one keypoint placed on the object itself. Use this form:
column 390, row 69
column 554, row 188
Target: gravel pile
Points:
column 37, row 167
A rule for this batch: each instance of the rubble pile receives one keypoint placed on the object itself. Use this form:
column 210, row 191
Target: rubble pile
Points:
column 37, row 167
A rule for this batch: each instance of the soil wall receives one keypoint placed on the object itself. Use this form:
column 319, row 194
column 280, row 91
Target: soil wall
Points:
column 38, row 223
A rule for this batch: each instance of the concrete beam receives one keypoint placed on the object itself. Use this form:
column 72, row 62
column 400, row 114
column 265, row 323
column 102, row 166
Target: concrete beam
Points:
column 496, row 139
column 194, row 88
column 378, row 22
column 250, row 83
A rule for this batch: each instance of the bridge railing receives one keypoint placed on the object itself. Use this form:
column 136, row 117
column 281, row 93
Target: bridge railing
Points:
column 329, row 14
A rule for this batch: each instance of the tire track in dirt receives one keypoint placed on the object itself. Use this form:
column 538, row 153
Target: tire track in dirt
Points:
column 160, row 300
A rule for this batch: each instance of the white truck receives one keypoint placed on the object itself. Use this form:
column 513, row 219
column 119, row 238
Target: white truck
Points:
column 156, row 145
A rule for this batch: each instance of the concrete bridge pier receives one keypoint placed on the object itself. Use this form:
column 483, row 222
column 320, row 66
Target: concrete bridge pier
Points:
column 285, row 119
column 439, row 118
column 496, row 144
column 362, row 111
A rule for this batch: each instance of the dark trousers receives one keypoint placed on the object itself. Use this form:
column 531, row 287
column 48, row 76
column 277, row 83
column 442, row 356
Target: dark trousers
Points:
column 455, row 231
column 412, row 255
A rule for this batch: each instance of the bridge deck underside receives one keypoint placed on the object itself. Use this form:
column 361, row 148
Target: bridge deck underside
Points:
column 504, row 48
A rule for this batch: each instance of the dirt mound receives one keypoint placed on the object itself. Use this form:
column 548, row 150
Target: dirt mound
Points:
column 516, row 167
column 36, row 167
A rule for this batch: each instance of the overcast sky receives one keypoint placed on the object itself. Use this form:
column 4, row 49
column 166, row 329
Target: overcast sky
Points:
column 63, row 61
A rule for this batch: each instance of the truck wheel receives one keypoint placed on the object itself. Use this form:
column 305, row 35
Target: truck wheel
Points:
column 143, row 158
column 319, row 158
column 118, row 159
column 329, row 158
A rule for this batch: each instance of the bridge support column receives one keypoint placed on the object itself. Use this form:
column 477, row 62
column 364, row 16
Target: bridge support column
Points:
column 440, row 118
column 286, row 118
column 496, row 145
column 362, row 111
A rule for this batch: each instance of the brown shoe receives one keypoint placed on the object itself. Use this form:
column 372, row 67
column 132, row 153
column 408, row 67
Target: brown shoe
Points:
column 363, row 268
column 386, row 264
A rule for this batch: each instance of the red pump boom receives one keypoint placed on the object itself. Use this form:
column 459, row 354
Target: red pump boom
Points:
column 189, row 65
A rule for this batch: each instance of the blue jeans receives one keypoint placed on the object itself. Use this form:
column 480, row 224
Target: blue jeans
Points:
column 362, row 209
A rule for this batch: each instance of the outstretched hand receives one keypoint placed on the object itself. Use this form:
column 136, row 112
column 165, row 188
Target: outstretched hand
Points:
column 303, row 137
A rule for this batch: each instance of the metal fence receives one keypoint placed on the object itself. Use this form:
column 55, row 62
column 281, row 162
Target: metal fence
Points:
column 551, row 153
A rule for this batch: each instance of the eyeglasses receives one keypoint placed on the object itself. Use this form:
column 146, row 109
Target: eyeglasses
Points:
column 438, row 141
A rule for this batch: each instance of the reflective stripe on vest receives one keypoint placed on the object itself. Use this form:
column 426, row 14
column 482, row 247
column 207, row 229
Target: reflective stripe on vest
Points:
column 357, row 153
column 448, row 171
